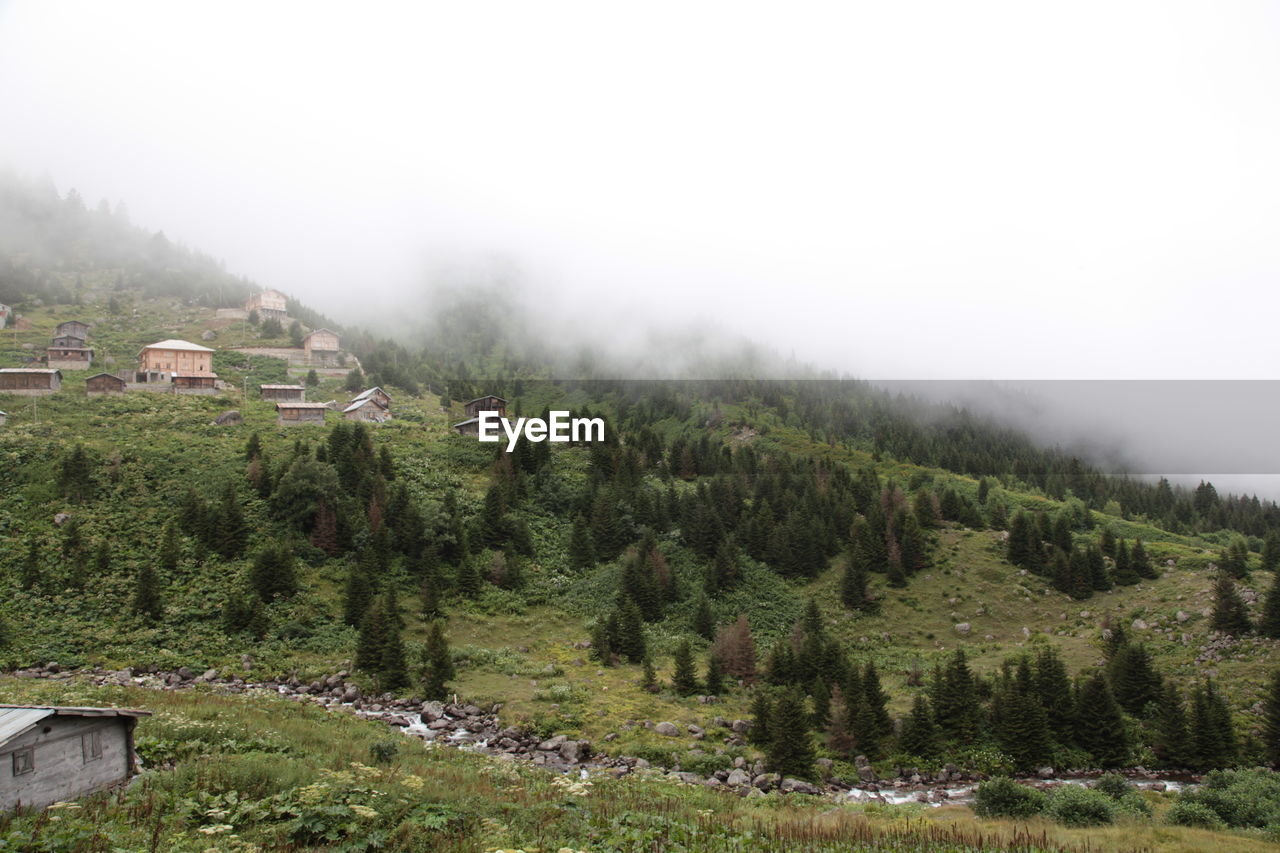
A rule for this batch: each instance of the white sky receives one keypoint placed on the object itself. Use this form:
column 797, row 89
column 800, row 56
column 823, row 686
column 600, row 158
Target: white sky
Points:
column 893, row 189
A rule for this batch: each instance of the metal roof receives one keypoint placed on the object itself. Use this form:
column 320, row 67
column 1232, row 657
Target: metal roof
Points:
column 485, row 397
column 290, row 404
column 16, row 719
column 358, row 403
column 193, row 375
column 280, row 387
column 177, row 345
column 367, row 393
column 28, row 370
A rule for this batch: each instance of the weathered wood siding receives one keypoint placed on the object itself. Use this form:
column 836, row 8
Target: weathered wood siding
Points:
column 63, row 771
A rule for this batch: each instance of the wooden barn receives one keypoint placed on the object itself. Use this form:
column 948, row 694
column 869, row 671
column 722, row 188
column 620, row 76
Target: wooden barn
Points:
column 49, row 754
column 296, row 414
column 283, row 393
column 270, row 304
column 488, row 403
column 30, row 381
column 321, row 346
column 158, row 362
column 103, row 384
column 368, row 409
column 194, row 382
column 69, row 357
column 72, row 328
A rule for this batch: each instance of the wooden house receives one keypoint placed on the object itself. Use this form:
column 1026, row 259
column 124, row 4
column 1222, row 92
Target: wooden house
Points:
column 68, row 357
column 488, row 403
column 295, row 414
column 74, row 328
column 30, row 381
column 321, row 346
column 158, row 362
column 382, row 398
column 283, row 393
column 270, row 304
column 68, row 341
column 103, row 384
column 194, row 382
column 49, row 754
column 368, row 409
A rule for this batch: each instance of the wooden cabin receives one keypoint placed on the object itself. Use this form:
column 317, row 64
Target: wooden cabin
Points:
column 68, row 341
column 194, row 382
column 158, row 362
column 321, row 346
column 50, row 754
column 68, row 357
column 295, row 414
column 103, row 384
column 30, row 381
column 270, row 304
column 489, row 403
column 73, row 328
column 368, row 410
column 284, row 393
column 382, row 398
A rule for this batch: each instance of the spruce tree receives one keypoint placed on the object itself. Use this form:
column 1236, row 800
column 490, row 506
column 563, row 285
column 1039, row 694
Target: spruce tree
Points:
column 1023, row 725
column 374, row 630
column 357, row 594
column 876, row 703
column 1100, row 730
column 1124, row 573
column 790, row 752
column 1098, row 577
column 1053, row 689
column 1134, row 681
column 649, row 678
column 1141, row 561
column 1213, row 739
column 232, row 532
column 629, row 641
column 147, row 602
column 253, row 447
column 1230, row 616
column 273, row 573
column 714, row 681
column 1269, row 623
column 1020, row 543
column 704, row 622
column 437, row 663
column 839, row 724
column 853, row 583
column 468, row 579
column 684, row 680
column 429, row 594
column 1271, row 551
column 955, row 700
column 1172, row 741
column 393, row 671
column 1271, row 721
column 761, row 714
column 919, row 736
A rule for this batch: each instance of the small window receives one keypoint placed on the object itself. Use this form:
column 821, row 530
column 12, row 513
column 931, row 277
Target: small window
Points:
column 24, row 761
column 91, row 745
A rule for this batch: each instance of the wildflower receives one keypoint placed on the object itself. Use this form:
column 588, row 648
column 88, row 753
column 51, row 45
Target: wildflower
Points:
column 364, row 812
column 413, row 783
column 216, row 828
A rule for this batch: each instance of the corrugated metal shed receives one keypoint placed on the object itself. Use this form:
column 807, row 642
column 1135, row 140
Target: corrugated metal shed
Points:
column 16, row 719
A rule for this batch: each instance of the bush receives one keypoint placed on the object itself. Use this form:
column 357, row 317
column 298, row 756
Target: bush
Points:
column 1244, row 798
column 1003, row 797
column 1190, row 813
column 1072, row 805
column 1113, row 785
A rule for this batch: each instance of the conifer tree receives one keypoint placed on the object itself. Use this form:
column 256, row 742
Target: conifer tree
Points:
column 1269, row 623
column 468, row 579
column 919, row 736
column 1230, row 616
column 75, row 479
column 839, row 723
column 714, row 681
column 437, row 663
column 232, row 531
column 1107, row 542
column 704, row 622
column 429, row 592
column 1271, row 721
column 1234, row 559
column 1213, row 739
column 1053, row 689
column 725, row 571
column 372, row 638
column 876, row 702
column 684, row 680
column 1124, row 573
column 102, row 559
column 582, row 552
column 1134, row 681
column 1271, row 551
column 629, row 641
column 1098, row 577
column 357, row 594
column 32, row 571
column 393, row 671
column 253, row 447
column 147, row 601
column 790, row 752
column 761, row 715
column 273, row 573
column 649, row 678
column 1172, row 740
column 1023, row 726
column 1141, row 561
column 1100, row 730
column 853, row 583
column 955, row 700
column 736, row 649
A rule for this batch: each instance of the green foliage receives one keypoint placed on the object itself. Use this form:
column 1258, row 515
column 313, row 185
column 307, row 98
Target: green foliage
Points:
column 1072, row 805
column 1239, row 798
column 1186, row 812
column 1000, row 796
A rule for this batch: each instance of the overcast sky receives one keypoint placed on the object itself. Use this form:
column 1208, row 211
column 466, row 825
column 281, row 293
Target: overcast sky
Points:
column 964, row 190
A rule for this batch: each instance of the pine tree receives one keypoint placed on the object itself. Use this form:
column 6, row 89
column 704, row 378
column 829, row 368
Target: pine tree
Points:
column 437, row 663
column 1124, row 572
column 1269, row 623
column 724, row 571
column 232, row 531
column 1230, row 615
column 1098, row 577
column 1022, row 725
column 374, row 630
column 429, row 591
column 1271, row 721
column 146, row 594
column 1271, row 551
column 1234, row 560
column 714, row 681
column 876, row 702
column 1022, row 545
column 253, row 447
column 736, row 649
column 919, row 736
column 684, row 680
column 649, row 678
column 704, row 621
column 1053, row 689
column 273, row 573
column 393, row 671
column 468, row 579
column 356, row 595
column 790, row 752
column 761, row 715
column 955, row 700
column 1213, row 739
column 853, row 584
column 582, row 552
column 629, row 641
column 1141, row 561
column 1134, row 681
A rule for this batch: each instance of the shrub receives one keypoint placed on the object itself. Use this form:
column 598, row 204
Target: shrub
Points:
column 1113, row 785
column 1072, row 805
column 1245, row 798
column 1002, row 797
column 1190, row 813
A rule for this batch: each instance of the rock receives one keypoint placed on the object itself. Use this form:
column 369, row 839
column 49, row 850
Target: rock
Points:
column 185, row 674
column 640, row 764
column 738, row 778
column 208, row 335
column 1182, row 616
column 765, row 781
column 740, row 726
column 1139, row 625
column 231, row 417
column 867, row 774
column 1045, row 772
column 668, row 729
column 61, row 518
column 696, row 731
column 553, row 743
column 796, row 786
column 571, row 751
column 963, row 628
column 1026, row 632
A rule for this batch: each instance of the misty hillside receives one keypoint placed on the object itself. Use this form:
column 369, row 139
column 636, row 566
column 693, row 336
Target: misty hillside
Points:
column 865, row 576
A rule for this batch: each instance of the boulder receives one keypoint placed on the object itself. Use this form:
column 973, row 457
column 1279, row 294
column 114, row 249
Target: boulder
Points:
column 740, row 726
column 797, row 786
column 229, row 418
column 1045, row 772
column 963, row 628
column 738, row 778
column 668, row 729
column 552, row 743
